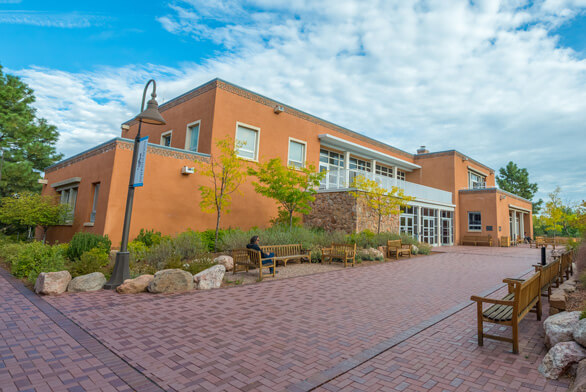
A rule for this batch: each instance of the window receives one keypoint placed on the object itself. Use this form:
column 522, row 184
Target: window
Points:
column 474, row 221
column 192, row 137
column 95, row 202
column 384, row 171
column 296, row 154
column 476, row 181
column 333, row 163
column 359, row 164
column 400, row 175
column 248, row 137
column 69, row 197
column 166, row 139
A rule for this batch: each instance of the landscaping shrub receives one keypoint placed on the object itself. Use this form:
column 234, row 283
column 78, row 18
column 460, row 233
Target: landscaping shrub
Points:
column 83, row 242
column 149, row 237
column 187, row 246
column 94, row 260
column 208, row 238
column 30, row 259
column 138, row 251
column 424, row 249
column 583, row 315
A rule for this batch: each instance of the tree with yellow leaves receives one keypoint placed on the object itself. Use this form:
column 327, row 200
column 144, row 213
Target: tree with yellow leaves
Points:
column 382, row 201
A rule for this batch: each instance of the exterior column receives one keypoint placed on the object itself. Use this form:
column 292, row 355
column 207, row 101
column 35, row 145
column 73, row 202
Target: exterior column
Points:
column 419, row 224
column 438, row 231
column 373, row 168
column 347, row 169
column 522, row 224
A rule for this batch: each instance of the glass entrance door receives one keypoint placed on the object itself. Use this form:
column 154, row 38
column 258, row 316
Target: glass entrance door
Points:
column 429, row 229
column 447, row 228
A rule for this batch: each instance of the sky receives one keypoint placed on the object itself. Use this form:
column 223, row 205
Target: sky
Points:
column 498, row 80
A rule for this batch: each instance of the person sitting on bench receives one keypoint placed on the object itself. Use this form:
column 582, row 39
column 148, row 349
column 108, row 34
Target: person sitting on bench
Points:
column 527, row 239
column 254, row 244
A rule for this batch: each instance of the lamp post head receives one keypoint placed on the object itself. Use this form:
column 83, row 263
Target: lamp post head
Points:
column 151, row 114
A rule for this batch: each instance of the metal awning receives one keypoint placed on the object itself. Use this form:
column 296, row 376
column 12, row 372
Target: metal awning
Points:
column 328, row 140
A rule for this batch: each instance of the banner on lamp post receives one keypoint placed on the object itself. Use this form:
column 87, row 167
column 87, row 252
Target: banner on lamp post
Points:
column 140, row 162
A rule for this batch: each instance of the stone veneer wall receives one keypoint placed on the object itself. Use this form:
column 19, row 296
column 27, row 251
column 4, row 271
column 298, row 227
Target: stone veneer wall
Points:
column 341, row 211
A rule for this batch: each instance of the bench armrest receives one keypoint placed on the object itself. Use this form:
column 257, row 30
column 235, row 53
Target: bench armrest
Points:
column 491, row 301
column 513, row 280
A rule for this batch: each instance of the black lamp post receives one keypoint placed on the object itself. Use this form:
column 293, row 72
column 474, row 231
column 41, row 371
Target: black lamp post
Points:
column 150, row 116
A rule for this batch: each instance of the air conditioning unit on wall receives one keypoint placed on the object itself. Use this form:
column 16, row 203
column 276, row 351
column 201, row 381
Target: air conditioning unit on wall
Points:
column 187, row 170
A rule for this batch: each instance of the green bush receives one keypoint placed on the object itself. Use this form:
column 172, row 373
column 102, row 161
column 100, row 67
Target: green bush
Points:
column 138, row 251
column 208, row 238
column 83, row 242
column 27, row 260
column 149, row 237
column 583, row 315
column 424, row 249
column 94, row 260
column 187, row 246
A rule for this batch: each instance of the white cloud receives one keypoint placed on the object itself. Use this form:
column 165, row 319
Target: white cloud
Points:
column 46, row 19
column 488, row 78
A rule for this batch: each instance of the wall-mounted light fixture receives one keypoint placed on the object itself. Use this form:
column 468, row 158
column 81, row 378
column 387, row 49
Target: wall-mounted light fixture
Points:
column 187, row 170
column 125, row 127
column 278, row 109
column 503, row 197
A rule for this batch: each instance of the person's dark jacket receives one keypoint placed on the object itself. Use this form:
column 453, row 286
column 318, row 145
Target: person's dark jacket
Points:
column 256, row 247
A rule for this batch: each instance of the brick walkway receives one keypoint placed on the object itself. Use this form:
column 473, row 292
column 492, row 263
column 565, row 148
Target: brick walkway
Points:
column 299, row 333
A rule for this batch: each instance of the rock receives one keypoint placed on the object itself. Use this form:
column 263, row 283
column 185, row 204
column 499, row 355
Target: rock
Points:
column 560, row 358
column 580, row 332
column 414, row 249
column 560, row 328
column 226, row 261
column 557, row 299
column 136, row 285
column 569, row 286
column 579, row 384
column 52, row 283
column 211, row 278
column 370, row 254
column 171, row 281
column 90, row 282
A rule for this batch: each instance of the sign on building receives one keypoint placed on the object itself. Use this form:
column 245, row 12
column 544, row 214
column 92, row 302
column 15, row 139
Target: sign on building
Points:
column 140, row 161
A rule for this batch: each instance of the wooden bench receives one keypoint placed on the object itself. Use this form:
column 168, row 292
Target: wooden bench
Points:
column 477, row 240
column 344, row 252
column 505, row 242
column 523, row 296
column 285, row 253
column 549, row 241
column 550, row 275
column 566, row 265
column 397, row 248
column 538, row 243
column 250, row 259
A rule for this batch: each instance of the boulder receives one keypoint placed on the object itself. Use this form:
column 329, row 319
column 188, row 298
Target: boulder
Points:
column 560, row 327
column 569, row 286
column 557, row 299
column 370, row 253
column 171, row 281
column 90, row 282
column 560, row 358
column 579, row 384
column 226, row 261
column 580, row 332
column 136, row 285
column 52, row 283
column 210, row 278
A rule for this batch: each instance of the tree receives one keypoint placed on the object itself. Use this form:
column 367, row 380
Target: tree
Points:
column 225, row 172
column 554, row 212
column 32, row 210
column 293, row 188
column 382, row 201
column 515, row 180
column 27, row 143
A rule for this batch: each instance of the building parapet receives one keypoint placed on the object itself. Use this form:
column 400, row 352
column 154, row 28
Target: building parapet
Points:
column 494, row 190
column 452, row 152
column 127, row 144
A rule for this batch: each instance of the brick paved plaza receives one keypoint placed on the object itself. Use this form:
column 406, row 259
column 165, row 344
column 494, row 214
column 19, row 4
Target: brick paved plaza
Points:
column 406, row 325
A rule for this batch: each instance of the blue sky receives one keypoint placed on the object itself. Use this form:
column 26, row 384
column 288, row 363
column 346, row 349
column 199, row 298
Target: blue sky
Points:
column 499, row 80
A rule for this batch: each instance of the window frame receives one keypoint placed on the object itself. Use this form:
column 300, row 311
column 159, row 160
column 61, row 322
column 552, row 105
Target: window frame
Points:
column 474, row 230
column 401, row 175
column 164, row 135
column 252, row 128
column 96, row 195
column 302, row 142
column 471, row 182
column 69, row 189
column 189, row 132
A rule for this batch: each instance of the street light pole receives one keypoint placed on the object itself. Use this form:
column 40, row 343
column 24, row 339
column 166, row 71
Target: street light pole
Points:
column 150, row 116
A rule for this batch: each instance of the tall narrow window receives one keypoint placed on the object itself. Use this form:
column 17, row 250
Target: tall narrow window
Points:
column 95, row 202
column 476, row 181
column 193, row 137
column 69, row 197
column 400, row 175
column 248, row 140
column 296, row 154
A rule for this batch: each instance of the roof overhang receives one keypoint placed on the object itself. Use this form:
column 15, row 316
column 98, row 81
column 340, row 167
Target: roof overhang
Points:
column 514, row 207
column 328, row 140
column 66, row 183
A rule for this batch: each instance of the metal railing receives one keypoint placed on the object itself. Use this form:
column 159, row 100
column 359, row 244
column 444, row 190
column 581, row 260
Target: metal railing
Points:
column 342, row 178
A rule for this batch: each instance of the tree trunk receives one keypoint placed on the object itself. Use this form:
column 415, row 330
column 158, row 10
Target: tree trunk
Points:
column 45, row 233
column 217, row 230
column 380, row 217
column 290, row 220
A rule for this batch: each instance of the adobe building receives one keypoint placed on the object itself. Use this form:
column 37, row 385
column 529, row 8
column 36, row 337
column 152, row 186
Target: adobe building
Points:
column 455, row 195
